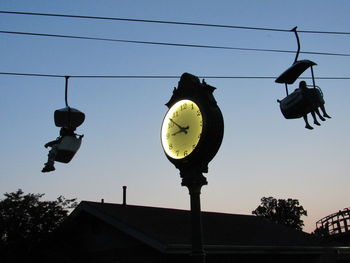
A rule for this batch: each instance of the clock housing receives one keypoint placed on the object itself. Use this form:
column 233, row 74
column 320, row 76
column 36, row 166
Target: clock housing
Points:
column 191, row 90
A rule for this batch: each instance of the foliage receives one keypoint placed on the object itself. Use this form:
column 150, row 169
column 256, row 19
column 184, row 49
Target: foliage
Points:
column 25, row 220
column 282, row 211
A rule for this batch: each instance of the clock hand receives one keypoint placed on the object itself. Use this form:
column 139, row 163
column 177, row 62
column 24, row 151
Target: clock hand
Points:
column 182, row 129
column 176, row 124
column 176, row 132
column 185, row 128
column 179, row 131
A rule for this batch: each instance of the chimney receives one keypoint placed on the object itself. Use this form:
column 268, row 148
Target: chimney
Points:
column 124, row 195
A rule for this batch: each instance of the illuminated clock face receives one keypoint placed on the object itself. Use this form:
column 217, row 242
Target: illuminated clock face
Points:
column 181, row 129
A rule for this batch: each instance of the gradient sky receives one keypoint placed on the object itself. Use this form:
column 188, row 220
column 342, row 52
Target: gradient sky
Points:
column 262, row 153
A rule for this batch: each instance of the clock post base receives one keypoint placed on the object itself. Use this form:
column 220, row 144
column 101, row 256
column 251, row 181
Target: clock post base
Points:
column 198, row 257
column 194, row 181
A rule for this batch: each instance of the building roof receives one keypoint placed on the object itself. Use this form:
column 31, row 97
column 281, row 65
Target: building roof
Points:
column 166, row 229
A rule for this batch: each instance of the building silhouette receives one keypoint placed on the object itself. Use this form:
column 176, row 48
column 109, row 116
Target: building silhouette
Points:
column 106, row 232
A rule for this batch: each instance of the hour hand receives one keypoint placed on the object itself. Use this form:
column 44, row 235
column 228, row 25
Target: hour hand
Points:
column 184, row 130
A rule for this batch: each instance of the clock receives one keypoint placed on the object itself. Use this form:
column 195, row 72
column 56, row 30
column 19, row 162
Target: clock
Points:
column 192, row 129
column 182, row 129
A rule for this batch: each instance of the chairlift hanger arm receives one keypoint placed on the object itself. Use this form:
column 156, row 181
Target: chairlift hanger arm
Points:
column 298, row 41
column 66, row 91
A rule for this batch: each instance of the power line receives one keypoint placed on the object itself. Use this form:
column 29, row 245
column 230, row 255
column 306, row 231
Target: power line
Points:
column 141, row 20
column 32, row 74
column 171, row 22
column 168, row 43
column 154, row 76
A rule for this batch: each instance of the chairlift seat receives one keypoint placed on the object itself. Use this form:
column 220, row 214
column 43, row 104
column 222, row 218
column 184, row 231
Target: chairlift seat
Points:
column 68, row 117
column 296, row 105
column 67, row 148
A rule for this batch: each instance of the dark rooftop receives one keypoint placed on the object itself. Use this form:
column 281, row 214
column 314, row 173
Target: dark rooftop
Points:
column 171, row 227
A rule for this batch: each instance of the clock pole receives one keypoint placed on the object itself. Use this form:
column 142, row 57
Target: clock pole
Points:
column 193, row 179
column 192, row 153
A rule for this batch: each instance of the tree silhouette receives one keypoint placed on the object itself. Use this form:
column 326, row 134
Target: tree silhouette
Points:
column 282, row 211
column 25, row 221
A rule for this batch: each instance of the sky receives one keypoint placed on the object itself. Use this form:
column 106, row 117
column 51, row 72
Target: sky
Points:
column 262, row 154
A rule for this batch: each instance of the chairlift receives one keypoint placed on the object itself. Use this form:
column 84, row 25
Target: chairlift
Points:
column 68, row 143
column 302, row 100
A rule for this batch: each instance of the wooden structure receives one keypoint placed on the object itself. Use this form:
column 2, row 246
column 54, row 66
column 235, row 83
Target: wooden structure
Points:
column 336, row 223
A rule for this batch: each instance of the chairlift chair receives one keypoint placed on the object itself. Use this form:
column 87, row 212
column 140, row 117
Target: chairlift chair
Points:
column 67, row 148
column 69, row 118
column 67, row 145
column 297, row 104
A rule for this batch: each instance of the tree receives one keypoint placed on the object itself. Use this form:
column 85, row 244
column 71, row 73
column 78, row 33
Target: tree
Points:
column 25, row 221
column 282, row 211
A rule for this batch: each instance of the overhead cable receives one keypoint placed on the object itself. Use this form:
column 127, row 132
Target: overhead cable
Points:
column 168, row 43
column 153, row 76
column 170, row 22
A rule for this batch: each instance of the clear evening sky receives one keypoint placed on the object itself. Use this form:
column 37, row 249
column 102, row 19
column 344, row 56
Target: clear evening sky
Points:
column 262, row 153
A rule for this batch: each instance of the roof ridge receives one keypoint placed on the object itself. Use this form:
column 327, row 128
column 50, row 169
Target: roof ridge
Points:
column 166, row 208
